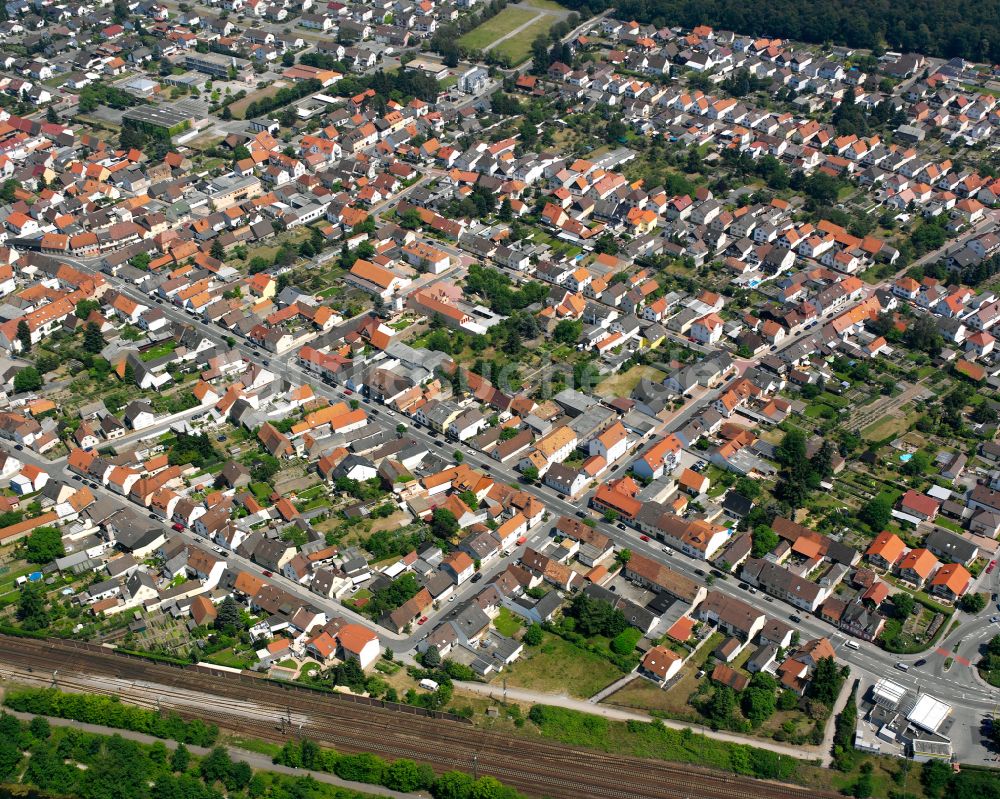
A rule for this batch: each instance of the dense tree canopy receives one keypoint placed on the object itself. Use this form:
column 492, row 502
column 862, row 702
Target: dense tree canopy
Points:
column 826, row 681
column 596, row 617
column 193, row 448
column 392, row 596
column 764, row 540
column 31, row 611
column 27, row 379
column 876, row 512
column 44, row 545
column 935, row 27
column 495, row 287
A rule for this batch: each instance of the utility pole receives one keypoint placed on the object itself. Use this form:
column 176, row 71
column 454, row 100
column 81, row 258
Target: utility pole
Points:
column 505, row 691
column 475, row 765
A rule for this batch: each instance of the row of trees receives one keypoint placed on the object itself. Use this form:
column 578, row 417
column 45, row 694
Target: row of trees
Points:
column 576, row 728
column 445, row 39
column 283, row 97
column 399, row 775
column 110, row 712
column 843, row 737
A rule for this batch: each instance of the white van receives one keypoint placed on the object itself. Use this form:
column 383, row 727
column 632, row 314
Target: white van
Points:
column 903, row 666
column 852, row 645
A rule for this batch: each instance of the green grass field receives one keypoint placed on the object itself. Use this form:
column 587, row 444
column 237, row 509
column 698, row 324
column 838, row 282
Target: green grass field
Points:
column 556, row 666
column 506, row 623
column 518, row 48
column 503, row 23
column 888, row 425
column 545, row 5
column 621, row 384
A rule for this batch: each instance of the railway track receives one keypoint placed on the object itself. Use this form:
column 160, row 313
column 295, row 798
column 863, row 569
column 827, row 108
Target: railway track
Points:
column 272, row 712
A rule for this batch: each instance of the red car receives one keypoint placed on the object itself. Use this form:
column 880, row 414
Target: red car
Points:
column 177, row 526
column 422, row 620
column 991, row 567
column 268, row 574
column 643, row 537
column 348, row 391
column 521, row 540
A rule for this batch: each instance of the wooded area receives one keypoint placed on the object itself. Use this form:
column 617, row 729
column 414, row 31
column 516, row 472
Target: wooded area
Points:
column 945, row 28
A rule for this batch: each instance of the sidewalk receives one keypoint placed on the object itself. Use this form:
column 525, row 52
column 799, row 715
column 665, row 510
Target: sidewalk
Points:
column 256, row 761
column 617, row 685
column 618, row 714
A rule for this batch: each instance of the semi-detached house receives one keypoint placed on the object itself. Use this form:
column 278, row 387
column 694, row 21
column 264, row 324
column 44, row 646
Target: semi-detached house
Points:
column 554, row 447
column 696, row 538
column 784, row 584
column 732, row 615
column 658, row 577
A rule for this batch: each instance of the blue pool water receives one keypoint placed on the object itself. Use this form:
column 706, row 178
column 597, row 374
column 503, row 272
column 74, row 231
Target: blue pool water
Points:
column 906, row 456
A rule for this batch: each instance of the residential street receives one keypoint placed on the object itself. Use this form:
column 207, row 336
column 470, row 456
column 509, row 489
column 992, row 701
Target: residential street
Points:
column 958, row 688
